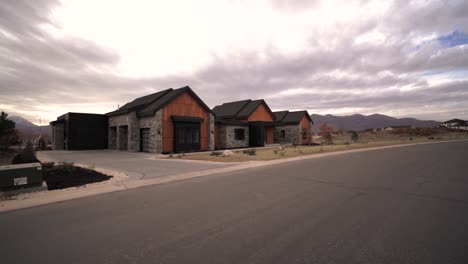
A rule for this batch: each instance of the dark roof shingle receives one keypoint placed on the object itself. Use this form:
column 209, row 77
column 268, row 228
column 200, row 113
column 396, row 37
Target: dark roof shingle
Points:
column 238, row 109
column 294, row 117
column 149, row 104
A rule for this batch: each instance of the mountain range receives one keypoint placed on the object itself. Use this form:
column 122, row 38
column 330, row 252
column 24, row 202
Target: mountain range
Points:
column 360, row 122
column 29, row 129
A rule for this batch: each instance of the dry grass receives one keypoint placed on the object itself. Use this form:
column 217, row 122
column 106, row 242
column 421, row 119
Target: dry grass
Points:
column 341, row 141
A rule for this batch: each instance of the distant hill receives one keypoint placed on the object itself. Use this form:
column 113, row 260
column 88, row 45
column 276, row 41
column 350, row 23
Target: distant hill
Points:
column 360, row 122
column 28, row 128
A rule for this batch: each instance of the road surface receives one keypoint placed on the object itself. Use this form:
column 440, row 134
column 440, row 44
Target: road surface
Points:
column 400, row 205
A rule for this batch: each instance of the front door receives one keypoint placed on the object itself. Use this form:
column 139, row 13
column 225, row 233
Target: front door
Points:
column 187, row 137
column 144, row 139
column 256, row 134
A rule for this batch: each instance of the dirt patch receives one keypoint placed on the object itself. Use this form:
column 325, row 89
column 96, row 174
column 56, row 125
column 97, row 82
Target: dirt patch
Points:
column 342, row 141
column 67, row 175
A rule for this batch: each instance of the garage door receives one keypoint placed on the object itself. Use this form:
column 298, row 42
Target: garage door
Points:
column 187, row 137
column 144, row 139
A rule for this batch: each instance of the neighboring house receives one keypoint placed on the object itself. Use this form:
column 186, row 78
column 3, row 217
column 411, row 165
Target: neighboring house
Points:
column 293, row 127
column 79, row 131
column 456, row 124
column 398, row 127
column 246, row 123
column 173, row 120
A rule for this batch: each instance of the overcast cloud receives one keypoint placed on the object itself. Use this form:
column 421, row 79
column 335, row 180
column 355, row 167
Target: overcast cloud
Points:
column 401, row 58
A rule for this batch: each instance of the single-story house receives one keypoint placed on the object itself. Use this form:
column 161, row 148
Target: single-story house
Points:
column 246, row 123
column 293, row 127
column 79, row 131
column 172, row 120
column 456, row 124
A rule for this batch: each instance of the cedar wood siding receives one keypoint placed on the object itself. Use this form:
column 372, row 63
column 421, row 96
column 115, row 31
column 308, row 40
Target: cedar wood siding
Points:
column 262, row 114
column 305, row 124
column 183, row 105
column 270, row 131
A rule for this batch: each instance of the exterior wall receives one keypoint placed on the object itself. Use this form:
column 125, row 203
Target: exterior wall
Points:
column 216, row 137
column 211, row 141
column 269, row 135
column 112, row 142
column 154, row 123
column 58, row 136
column 184, row 105
column 118, row 121
column 292, row 134
column 227, row 137
column 306, row 124
column 261, row 114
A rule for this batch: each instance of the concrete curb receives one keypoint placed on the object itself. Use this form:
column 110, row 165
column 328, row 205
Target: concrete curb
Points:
column 120, row 182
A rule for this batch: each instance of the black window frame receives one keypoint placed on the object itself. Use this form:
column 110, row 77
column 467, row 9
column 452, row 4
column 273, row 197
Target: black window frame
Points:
column 239, row 134
column 283, row 133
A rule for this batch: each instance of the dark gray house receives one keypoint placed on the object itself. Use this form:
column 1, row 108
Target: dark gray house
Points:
column 293, row 127
column 79, row 131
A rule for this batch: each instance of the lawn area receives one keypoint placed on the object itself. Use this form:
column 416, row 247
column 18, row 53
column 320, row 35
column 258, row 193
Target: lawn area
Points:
column 341, row 141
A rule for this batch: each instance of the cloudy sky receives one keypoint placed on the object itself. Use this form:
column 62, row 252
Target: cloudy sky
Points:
column 401, row 58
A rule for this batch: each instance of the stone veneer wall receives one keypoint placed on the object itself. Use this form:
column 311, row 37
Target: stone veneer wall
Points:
column 211, row 138
column 154, row 123
column 227, row 137
column 134, row 124
column 292, row 134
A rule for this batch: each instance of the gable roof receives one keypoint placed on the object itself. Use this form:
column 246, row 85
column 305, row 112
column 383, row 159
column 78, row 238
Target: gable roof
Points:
column 229, row 110
column 150, row 104
column 280, row 115
column 291, row 118
column 239, row 109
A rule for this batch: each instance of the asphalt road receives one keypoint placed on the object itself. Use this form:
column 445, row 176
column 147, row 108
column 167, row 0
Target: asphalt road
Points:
column 402, row 205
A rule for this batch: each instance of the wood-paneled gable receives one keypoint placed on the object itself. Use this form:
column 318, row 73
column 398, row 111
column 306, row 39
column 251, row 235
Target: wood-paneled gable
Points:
column 183, row 105
column 261, row 114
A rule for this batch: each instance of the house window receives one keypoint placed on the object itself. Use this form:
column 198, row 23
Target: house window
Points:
column 304, row 133
column 283, row 133
column 239, row 133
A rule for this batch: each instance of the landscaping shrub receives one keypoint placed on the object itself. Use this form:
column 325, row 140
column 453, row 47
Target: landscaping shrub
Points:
column 41, row 144
column 347, row 143
column 26, row 156
column 328, row 139
column 48, row 165
column 216, row 153
column 354, row 136
column 251, row 152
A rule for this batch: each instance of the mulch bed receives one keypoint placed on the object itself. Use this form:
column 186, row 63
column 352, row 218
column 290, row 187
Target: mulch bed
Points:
column 66, row 176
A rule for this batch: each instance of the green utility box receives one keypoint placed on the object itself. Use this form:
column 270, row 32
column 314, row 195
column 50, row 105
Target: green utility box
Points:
column 21, row 176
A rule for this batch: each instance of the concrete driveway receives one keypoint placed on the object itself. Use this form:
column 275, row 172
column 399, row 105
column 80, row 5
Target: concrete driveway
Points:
column 136, row 165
